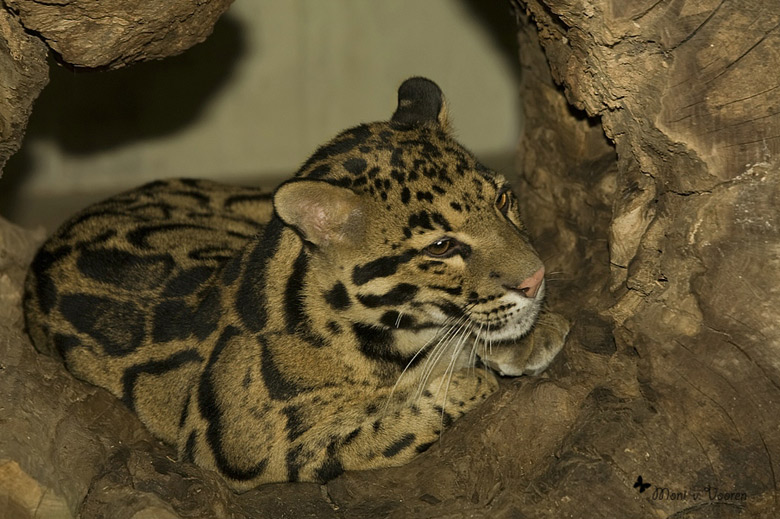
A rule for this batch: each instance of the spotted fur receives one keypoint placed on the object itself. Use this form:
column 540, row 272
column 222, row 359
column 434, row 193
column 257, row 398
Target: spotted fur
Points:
column 339, row 323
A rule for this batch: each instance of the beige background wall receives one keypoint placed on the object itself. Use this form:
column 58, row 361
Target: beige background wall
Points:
column 275, row 80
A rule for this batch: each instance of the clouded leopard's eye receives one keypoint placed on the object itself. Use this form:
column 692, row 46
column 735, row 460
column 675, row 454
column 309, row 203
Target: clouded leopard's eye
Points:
column 440, row 248
column 502, row 201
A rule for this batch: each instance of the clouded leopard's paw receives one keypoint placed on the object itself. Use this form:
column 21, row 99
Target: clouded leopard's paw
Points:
column 463, row 390
column 533, row 353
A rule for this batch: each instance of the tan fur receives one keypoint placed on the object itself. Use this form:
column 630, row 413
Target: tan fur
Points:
column 296, row 337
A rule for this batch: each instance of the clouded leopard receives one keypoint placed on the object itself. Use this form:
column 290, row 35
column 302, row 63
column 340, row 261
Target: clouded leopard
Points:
column 336, row 324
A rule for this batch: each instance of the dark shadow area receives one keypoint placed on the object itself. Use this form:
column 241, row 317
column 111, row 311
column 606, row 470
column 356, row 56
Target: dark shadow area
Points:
column 86, row 112
column 498, row 20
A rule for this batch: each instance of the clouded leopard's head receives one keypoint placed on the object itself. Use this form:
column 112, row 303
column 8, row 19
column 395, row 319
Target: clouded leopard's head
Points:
column 407, row 230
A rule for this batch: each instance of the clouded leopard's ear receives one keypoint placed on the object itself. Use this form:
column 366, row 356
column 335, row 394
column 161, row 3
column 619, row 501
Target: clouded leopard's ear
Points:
column 321, row 212
column 421, row 101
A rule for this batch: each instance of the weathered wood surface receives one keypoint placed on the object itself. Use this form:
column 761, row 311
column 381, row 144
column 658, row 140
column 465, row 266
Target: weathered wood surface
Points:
column 115, row 33
column 689, row 93
column 23, row 74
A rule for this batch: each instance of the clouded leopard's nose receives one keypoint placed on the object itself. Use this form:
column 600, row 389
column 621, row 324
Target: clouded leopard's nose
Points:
column 530, row 287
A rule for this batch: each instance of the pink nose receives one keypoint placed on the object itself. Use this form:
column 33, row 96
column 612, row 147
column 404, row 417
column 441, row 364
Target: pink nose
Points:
column 530, row 286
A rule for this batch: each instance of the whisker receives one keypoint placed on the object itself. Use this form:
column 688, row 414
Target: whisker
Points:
column 489, row 340
column 411, row 361
column 473, row 354
column 451, row 369
column 455, row 352
column 438, row 352
column 440, row 348
column 430, row 358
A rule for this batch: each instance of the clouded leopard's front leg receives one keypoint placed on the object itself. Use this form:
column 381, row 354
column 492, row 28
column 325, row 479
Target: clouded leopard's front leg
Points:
column 409, row 424
column 315, row 435
column 533, row 353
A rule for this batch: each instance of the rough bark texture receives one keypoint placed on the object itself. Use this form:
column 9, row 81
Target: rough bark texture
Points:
column 90, row 34
column 116, row 33
column 23, row 74
column 688, row 92
column 663, row 244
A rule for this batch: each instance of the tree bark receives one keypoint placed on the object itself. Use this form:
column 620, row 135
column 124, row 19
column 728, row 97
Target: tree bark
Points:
column 688, row 92
column 23, row 74
column 115, row 33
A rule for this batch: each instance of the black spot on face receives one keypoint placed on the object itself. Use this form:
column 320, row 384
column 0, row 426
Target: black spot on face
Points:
column 334, row 327
column 450, row 309
column 456, row 206
column 427, row 265
column 454, row 291
column 377, row 345
column 441, row 221
column 397, row 320
column 337, row 297
column 420, row 219
column 399, row 294
column 380, row 267
column 425, row 195
column 406, row 195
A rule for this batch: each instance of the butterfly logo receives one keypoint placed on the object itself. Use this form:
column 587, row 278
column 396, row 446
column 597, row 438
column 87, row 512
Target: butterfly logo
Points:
column 641, row 485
